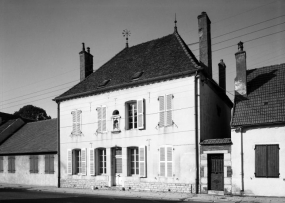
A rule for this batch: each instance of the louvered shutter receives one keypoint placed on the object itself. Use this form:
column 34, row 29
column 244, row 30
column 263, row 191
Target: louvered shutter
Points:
column 32, row 164
column 92, row 161
column 142, row 161
column 140, row 114
column 161, row 111
column 78, row 121
column 260, row 160
column 169, row 161
column 273, row 160
column 162, row 159
column 1, row 164
column 13, row 164
column 9, row 164
column 73, row 113
column 46, row 163
column 83, row 161
column 104, row 116
column 69, row 162
column 51, row 163
column 168, row 107
column 99, row 112
column 36, row 159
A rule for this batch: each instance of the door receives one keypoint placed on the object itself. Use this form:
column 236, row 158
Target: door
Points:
column 117, row 166
column 216, row 172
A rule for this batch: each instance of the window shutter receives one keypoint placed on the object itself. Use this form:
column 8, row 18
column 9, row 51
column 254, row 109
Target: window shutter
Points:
column 104, row 115
column 51, row 164
column 260, row 160
column 99, row 111
column 36, row 159
column 92, row 161
column 1, row 164
column 46, row 163
column 140, row 114
column 78, row 121
column 9, row 164
column 73, row 122
column 83, row 161
column 13, row 164
column 142, row 161
column 162, row 161
column 273, row 160
column 69, row 162
column 169, row 153
column 32, row 164
column 169, row 110
column 161, row 111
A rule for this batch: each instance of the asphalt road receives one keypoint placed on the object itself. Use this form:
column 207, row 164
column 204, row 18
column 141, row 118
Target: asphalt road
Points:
column 25, row 195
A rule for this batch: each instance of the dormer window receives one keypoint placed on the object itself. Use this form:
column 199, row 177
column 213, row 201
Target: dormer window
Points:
column 137, row 75
column 104, row 83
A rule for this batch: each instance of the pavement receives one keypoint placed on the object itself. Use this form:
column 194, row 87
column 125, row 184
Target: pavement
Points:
column 119, row 192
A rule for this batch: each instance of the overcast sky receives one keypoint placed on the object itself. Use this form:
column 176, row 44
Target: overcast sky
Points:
column 40, row 40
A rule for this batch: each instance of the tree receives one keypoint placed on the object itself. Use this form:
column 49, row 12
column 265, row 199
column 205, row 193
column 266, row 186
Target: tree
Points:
column 32, row 112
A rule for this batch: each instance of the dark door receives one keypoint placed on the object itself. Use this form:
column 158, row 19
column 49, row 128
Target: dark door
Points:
column 216, row 171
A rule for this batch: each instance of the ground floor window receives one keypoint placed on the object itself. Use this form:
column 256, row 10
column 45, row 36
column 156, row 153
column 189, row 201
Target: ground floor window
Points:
column 49, row 164
column 134, row 160
column 34, row 168
column 102, row 161
column 76, row 162
column 166, row 161
column 1, row 164
column 11, row 164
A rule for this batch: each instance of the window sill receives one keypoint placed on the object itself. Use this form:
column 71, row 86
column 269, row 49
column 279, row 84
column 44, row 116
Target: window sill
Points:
column 115, row 132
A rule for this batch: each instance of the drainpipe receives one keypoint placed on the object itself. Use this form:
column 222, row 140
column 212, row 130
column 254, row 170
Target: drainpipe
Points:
column 242, row 168
column 58, row 144
column 196, row 132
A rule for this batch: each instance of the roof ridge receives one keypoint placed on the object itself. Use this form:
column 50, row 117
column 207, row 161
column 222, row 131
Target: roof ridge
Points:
column 266, row 66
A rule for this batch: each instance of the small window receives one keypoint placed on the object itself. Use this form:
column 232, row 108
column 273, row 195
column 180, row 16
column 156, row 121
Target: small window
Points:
column 104, row 83
column 267, row 161
column 49, row 164
column 102, row 161
column 76, row 122
column 137, row 75
column 11, row 164
column 1, row 164
column 34, row 166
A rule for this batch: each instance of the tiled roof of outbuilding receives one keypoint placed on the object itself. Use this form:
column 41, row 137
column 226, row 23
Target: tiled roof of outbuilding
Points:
column 6, row 124
column 265, row 102
column 36, row 137
column 217, row 141
column 165, row 56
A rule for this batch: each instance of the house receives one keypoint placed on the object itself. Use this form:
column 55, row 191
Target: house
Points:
column 258, row 129
column 29, row 155
column 137, row 121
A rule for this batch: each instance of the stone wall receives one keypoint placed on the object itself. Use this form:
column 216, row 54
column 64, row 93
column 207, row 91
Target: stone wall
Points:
column 83, row 183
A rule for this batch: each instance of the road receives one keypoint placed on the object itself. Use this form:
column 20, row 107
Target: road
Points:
column 26, row 195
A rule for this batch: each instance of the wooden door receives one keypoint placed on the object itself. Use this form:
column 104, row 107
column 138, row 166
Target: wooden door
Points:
column 216, row 172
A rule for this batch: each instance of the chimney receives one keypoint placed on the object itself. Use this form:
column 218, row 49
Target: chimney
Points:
column 240, row 80
column 222, row 75
column 86, row 63
column 205, row 50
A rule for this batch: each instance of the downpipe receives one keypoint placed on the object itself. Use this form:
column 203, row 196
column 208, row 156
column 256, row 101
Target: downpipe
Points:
column 58, row 144
column 196, row 132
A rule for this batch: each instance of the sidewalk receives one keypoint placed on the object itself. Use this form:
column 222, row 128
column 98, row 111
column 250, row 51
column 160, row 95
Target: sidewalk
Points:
column 152, row 195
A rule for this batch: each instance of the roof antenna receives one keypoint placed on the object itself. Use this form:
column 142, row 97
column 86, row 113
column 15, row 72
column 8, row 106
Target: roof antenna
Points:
column 126, row 33
column 175, row 27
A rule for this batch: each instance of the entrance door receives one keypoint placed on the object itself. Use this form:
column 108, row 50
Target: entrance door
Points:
column 216, row 172
column 117, row 166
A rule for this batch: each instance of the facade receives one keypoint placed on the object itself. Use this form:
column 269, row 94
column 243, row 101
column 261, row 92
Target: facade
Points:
column 29, row 155
column 136, row 122
column 258, row 127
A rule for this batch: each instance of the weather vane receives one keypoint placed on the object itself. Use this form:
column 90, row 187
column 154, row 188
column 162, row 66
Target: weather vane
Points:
column 126, row 33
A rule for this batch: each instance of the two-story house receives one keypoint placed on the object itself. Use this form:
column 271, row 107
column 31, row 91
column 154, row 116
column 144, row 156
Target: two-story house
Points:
column 137, row 121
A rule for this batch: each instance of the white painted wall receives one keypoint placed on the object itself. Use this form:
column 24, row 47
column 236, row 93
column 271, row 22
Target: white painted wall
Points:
column 181, row 135
column 253, row 185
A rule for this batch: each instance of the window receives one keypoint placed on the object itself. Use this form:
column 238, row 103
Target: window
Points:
column 34, row 166
column 135, row 116
column 267, row 161
column 134, row 161
column 102, row 161
column 137, row 161
column 102, row 111
column 1, row 164
column 76, row 161
column 166, row 161
column 76, row 122
column 165, row 110
column 49, row 164
column 11, row 164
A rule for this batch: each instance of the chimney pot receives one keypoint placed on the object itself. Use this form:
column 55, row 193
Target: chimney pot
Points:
column 222, row 75
column 240, row 46
column 88, row 50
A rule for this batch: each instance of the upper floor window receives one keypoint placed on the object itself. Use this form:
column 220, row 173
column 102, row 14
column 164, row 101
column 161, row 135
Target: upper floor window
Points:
column 165, row 110
column 135, row 114
column 76, row 122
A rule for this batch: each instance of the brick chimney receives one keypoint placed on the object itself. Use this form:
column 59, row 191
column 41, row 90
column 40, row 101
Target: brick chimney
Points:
column 222, row 75
column 240, row 80
column 86, row 63
column 204, row 25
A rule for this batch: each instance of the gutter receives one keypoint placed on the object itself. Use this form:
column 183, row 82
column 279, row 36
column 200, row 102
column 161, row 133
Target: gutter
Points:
column 58, row 144
column 196, row 132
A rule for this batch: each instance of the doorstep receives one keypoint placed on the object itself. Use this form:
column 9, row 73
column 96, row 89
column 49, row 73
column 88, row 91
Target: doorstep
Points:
column 216, row 192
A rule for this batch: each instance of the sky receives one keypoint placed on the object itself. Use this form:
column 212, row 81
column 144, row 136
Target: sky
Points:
column 40, row 40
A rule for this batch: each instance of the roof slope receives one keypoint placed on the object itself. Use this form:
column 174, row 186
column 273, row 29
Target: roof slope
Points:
column 36, row 137
column 164, row 56
column 266, row 97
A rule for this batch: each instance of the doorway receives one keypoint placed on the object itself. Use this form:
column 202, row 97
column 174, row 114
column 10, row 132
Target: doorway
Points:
column 117, row 166
column 216, row 172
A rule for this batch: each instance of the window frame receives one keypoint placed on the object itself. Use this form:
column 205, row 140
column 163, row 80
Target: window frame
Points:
column 138, row 114
column 136, row 161
column 102, row 158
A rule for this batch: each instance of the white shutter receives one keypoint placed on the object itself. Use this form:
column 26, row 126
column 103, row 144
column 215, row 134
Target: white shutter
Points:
column 142, row 161
column 104, row 115
column 73, row 122
column 92, row 161
column 83, row 161
column 140, row 114
column 162, row 159
column 78, row 121
column 69, row 162
column 99, row 112
column 168, row 109
column 161, row 111
column 169, row 161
